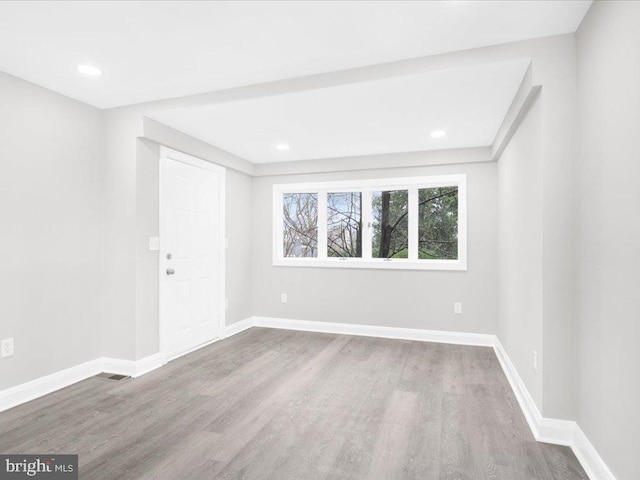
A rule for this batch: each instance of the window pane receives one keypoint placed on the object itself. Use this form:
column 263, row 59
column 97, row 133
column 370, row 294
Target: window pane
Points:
column 300, row 229
column 438, row 223
column 390, row 224
column 344, row 224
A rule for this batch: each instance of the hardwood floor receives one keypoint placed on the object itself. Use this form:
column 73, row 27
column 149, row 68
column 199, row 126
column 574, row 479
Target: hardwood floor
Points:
column 277, row 404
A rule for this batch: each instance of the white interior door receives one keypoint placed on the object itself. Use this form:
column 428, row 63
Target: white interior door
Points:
column 192, row 254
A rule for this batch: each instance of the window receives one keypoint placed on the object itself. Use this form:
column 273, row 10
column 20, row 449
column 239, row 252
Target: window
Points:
column 412, row 223
column 300, row 225
column 438, row 223
column 344, row 224
column 390, row 224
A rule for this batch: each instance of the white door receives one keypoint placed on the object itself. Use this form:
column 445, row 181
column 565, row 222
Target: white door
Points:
column 191, row 254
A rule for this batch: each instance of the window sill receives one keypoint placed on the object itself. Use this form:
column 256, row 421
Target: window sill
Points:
column 380, row 264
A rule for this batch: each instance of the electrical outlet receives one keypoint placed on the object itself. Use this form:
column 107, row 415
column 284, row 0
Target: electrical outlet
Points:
column 283, row 297
column 535, row 362
column 6, row 347
column 457, row 307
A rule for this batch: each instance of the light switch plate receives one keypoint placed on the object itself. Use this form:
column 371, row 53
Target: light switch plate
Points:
column 154, row 244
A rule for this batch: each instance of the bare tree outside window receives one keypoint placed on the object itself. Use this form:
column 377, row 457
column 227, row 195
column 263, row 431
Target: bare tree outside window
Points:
column 300, row 232
column 390, row 224
column 438, row 223
column 344, row 224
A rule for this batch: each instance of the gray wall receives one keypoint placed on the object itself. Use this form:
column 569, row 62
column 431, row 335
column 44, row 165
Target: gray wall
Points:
column 553, row 67
column 147, row 325
column 238, row 212
column 53, row 152
column 397, row 298
column 120, row 177
column 608, row 233
column 238, row 231
column 520, row 327
column 51, row 233
column 238, row 225
column 131, row 182
column 558, row 103
column 553, row 74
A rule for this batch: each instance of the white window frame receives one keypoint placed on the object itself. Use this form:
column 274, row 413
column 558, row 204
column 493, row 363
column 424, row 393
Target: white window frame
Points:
column 411, row 184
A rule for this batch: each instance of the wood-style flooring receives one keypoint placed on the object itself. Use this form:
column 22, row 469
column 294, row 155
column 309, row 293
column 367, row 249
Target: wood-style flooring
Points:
column 277, row 404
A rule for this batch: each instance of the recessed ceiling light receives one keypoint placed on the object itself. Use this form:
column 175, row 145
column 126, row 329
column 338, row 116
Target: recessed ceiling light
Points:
column 89, row 70
column 283, row 147
column 438, row 134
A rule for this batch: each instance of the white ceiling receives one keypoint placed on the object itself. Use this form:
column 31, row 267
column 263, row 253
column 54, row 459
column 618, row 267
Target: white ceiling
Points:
column 151, row 50
column 383, row 116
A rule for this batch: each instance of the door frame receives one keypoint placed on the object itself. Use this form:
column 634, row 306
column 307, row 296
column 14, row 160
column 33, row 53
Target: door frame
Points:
column 167, row 153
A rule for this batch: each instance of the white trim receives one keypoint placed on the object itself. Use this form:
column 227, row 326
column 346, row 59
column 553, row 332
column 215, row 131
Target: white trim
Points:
column 227, row 332
column 589, row 458
column 25, row 392
column 168, row 153
column 375, row 263
column 412, row 184
column 548, row 430
column 559, row 432
column 458, row 338
column 148, row 364
column 528, row 406
column 321, row 227
column 367, row 219
column 412, row 224
column 551, row 430
column 395, row 183
column 132, row 368
column 462, row 222
column 238, row 327
column 190, row 350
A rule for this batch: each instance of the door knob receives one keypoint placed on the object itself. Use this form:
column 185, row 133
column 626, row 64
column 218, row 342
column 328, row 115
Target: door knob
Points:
column 170, row 271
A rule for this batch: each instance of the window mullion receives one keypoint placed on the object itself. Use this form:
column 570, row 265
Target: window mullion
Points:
column 278, row 226
column 367, row 218
column 413, row 223
column 322, row 224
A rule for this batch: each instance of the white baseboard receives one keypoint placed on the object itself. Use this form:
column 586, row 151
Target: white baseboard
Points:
column 238, row 327
column 589, row 458
column 132, row 368
column 25, row 392
column 559, row 432
column 39, row 387
column 551, row 430
column 528, row 406
column 148, row 364
column 548, row 430
column 458, row 338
